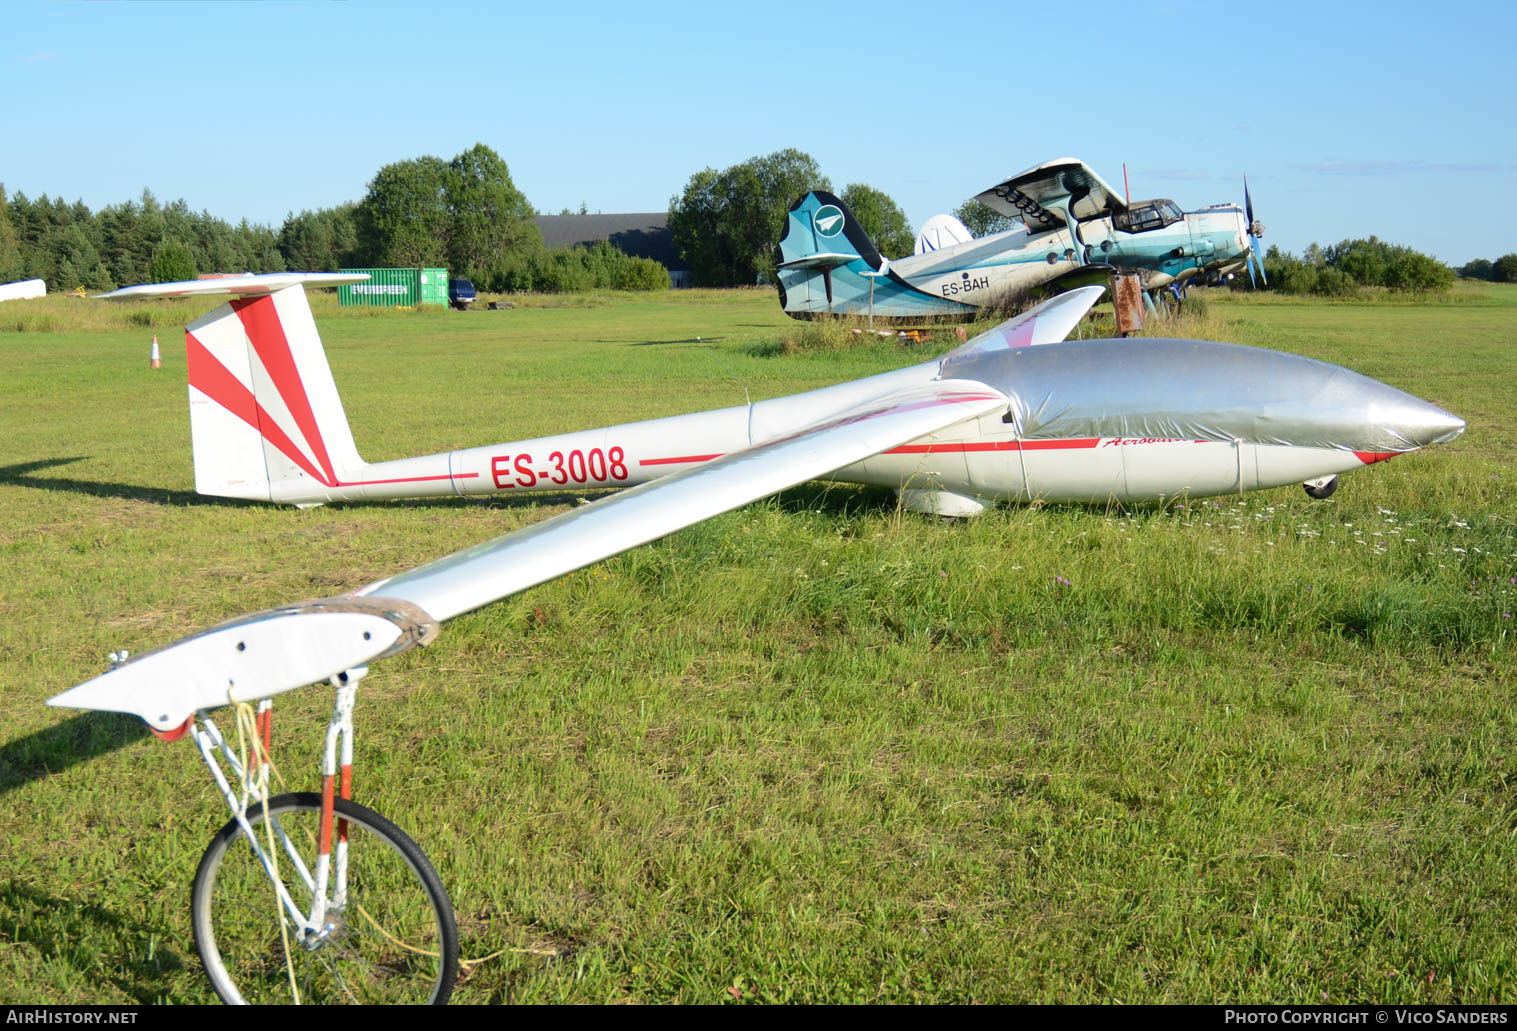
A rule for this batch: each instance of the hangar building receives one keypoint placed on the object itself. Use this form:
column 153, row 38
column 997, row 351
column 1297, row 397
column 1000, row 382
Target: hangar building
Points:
column 641, row 235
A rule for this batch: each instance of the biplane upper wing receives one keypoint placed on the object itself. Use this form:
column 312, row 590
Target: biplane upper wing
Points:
column 266, row 653
column 1040, row 195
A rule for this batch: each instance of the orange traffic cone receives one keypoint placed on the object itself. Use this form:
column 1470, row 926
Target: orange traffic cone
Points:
column 156, row 360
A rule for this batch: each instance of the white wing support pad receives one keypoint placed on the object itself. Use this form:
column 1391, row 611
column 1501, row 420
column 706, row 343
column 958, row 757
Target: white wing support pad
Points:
column 252, row 657
column 250, row 285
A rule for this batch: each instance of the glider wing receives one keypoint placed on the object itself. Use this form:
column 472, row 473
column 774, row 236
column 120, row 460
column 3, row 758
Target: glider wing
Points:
column 479, row 575
column 264, row 654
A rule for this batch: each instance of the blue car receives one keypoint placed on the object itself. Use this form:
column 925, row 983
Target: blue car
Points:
column 460, row 293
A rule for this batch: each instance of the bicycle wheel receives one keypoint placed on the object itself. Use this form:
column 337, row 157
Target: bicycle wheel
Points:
column 393, row 942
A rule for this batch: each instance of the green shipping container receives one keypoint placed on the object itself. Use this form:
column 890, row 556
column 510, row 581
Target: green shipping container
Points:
column 396, row 288
column 434, row 286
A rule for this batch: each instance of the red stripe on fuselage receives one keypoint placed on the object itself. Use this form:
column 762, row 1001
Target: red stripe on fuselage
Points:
column 408, row 479
column 677, row 461
column 260, row 318
column 995, row 445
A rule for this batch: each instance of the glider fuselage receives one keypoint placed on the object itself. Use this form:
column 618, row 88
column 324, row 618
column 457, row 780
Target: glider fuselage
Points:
column 1087, row 421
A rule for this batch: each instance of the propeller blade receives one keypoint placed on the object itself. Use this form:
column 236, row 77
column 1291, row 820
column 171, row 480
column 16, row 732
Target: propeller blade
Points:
column 1248, row 258
column 1254, row 241
column 1248, row 203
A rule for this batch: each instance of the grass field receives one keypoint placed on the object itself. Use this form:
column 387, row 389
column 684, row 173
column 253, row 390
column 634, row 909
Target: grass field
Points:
column 1247, row 749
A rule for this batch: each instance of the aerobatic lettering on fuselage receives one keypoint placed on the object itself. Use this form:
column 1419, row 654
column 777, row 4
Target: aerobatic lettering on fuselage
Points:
column 593, row 466
column 966, row 285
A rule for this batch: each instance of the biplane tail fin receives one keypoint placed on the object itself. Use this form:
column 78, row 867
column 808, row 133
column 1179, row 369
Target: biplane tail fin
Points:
column 821, row 232
column 822, row 236
column 265, row 419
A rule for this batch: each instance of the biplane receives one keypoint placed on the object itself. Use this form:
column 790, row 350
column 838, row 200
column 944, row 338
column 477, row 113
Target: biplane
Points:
column 1075, row 231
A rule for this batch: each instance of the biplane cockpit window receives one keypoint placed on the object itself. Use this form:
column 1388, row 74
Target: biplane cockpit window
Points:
column 1146, row 216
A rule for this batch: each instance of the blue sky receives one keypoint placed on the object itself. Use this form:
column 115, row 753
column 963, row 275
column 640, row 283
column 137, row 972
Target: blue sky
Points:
column 1349, row 119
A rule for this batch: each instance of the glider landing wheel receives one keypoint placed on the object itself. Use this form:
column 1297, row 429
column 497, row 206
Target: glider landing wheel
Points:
column 393, row 941
column 1321, row 489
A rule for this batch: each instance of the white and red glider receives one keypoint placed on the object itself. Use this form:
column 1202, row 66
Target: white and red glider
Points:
column 1017, row 413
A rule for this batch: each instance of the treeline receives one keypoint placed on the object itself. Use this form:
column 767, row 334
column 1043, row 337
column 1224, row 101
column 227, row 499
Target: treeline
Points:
column 69, row 246
column 1340, row 270
column 1502, row 270
column 465, row 214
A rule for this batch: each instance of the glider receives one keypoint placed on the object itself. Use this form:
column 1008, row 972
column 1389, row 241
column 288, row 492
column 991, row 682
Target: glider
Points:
column 1017, row 413
column 357, row 913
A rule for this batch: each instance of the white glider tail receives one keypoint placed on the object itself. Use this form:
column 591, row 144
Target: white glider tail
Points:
column 265, row 418
column 264, row 413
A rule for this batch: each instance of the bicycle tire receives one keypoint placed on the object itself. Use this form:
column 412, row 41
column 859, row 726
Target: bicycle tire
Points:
column 391, row 885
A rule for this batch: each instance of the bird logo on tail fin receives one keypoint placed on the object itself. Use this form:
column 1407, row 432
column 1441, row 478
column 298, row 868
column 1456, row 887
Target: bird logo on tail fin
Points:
column 828, row 221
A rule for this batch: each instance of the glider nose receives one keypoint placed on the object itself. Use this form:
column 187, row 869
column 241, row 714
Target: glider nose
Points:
column 1406, row 423
column 1378, row 417
column 1421, row 423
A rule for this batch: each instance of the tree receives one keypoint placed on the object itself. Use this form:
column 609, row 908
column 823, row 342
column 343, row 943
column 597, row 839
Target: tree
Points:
column 1504, row 269
column 488, row 215
column 881, row 218
column 727, row 224
column 403, row 220
column 1365, row 261
column 173, row 262
column 1334, row 282
column 1480, row 268
column 11, row 261
column 983, row 220
column 1413, row 271
column 320, row 241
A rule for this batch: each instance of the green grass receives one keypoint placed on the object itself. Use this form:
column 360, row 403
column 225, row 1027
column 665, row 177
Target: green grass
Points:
column 816, row 749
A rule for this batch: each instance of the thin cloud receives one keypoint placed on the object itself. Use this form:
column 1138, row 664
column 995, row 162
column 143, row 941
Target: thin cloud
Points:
column 40, row 57
column 1376, row 168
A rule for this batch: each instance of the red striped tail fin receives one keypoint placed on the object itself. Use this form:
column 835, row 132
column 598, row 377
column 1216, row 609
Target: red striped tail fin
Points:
column 265, row 417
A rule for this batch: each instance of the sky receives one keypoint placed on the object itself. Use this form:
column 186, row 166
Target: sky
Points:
column 1349, row 119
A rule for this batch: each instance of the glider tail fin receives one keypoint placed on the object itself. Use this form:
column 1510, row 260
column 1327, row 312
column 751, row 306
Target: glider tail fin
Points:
column 265, row 417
